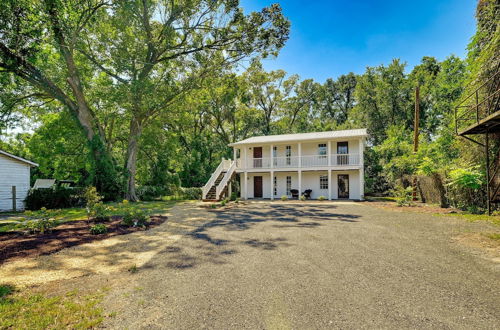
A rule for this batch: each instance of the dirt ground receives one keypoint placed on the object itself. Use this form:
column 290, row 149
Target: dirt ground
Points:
column 19, row 245
column 284, row 265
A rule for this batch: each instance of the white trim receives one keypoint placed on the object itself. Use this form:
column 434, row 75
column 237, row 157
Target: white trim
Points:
column 18, row 158
column 352, row 133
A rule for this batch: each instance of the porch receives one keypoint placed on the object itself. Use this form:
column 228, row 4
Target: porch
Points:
column 328, row 184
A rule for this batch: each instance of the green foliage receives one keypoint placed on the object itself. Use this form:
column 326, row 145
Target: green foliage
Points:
column 135, row 218
column 223, row 203
column 149, row 193
column 284, row 197
column 234, row 196
column 44, row 222
column 403, row 195
column 321, row 198
column 302, row 197
column 193, row 193
column 99, row 212
column 98, row 229
column 54, row 198
column 466, row 178
column 91, row 196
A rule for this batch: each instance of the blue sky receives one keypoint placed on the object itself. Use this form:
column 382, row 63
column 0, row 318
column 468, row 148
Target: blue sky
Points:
column 330, row 38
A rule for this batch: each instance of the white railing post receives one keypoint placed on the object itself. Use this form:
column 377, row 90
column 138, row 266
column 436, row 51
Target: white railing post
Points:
column 225, row 180
column 329, row 153
column 271, row 156
column 300, row 154
column 213, row 177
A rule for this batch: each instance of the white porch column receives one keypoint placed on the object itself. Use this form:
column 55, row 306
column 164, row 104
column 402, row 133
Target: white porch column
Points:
column 300, row 156
column 271, row 156
column 245, row 181
column 361, row 169
column 245, row 159
column 272, row 185
column 330, row 183
column 300, row 183
column 329, row 157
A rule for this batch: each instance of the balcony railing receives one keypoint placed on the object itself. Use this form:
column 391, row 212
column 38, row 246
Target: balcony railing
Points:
column 336, row 160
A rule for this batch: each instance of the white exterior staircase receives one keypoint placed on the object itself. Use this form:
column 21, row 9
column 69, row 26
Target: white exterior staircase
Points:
column 219, row 181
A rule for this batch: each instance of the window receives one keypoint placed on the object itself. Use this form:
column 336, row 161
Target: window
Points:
column 288, row 185
column 342, row 153
column 275, row 155
column 288, row 154
column 322, row 150
column 342, row 148
column 323, row 182
column 275, row 186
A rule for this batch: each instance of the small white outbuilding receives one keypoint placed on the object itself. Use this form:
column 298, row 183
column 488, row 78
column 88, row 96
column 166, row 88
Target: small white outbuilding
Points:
column 14, row 172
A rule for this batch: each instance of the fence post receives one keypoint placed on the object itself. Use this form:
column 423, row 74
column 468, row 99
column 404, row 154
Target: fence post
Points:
column 14, row 199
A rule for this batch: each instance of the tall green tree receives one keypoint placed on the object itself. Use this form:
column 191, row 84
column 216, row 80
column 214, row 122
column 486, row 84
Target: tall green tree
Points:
column 158, row 50
column 37, row 49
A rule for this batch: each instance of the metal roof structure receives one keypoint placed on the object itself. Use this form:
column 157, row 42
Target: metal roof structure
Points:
column 350, row 133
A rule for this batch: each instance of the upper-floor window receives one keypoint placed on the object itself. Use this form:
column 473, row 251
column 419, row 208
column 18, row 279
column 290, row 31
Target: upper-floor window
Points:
column 342, row 147
column 322, row 149
column 288, row 154
column 275, row 151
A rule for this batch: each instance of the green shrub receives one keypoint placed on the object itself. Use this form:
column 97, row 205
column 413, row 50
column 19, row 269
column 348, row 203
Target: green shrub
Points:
column 54, row 198
column 237, row 200
column 302, row 197
column 193, row 193
column 234, row 196
column 149, row 193
column 91, row 196
column 44, row 223
column 98, row 229
column 213, row 206
column 223, row 202
column 99, row 212
column 321, row 198
column 284, row 197
column 135, row 218
column 403, row 195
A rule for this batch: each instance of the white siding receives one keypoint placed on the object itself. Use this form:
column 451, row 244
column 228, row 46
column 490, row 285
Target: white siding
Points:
column 13, row 173
column 310, row 180
column 307, row 149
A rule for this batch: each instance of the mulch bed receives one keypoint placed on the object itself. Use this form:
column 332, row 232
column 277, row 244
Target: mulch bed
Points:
column 16, row 245
column 416, row 207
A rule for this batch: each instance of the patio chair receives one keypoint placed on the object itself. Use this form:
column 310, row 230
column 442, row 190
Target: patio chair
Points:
column 295, row 193
column 307, row 193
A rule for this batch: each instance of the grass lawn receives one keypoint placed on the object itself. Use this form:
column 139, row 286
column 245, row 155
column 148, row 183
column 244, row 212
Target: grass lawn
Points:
column 12, row 221
column 24, row 310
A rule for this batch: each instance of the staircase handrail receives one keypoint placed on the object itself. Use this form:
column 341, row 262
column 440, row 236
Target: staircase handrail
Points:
column 212, row 179
column 225, row 179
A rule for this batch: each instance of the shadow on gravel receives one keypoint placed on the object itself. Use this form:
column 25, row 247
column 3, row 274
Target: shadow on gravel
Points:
column 204, row 247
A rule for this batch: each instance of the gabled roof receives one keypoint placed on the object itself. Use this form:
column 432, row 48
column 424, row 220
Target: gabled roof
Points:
column 18, row 158
column 350, row 133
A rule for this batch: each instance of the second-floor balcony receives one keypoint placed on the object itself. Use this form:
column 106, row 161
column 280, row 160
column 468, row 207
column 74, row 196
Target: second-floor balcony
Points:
column 336, row 160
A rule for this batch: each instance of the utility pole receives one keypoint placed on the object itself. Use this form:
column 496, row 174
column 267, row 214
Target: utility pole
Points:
column 415, row 135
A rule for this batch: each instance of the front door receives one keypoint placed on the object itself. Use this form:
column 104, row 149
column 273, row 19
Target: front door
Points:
column 257, row 157
column 343, row 180
column 257, row 186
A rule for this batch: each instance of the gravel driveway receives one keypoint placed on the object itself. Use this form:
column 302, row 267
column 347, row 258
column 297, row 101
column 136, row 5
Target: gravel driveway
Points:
column 323, row 265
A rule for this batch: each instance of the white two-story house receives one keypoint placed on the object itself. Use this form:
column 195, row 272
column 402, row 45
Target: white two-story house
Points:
column 328, row 164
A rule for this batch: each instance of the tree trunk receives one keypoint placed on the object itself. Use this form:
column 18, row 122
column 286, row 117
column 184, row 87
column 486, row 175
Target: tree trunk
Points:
column 131, row 159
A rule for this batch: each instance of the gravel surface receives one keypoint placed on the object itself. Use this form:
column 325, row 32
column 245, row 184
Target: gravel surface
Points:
column 277, row 265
